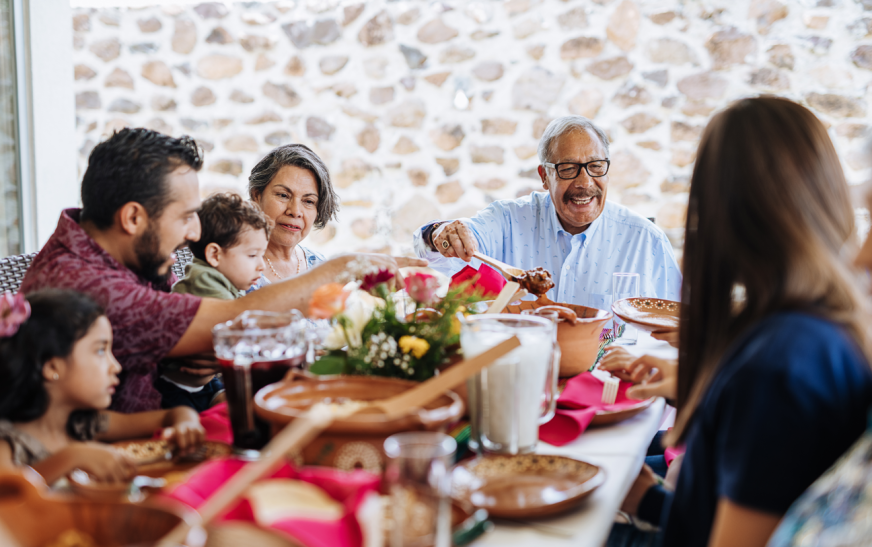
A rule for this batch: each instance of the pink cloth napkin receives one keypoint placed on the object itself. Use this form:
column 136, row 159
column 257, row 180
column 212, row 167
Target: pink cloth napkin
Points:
column 673, row 452
column 348, row 488
column 487, row 279
column 216, row 422
column 577, row 405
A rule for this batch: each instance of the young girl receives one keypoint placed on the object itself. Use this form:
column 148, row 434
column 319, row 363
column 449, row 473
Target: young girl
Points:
column 59, row 375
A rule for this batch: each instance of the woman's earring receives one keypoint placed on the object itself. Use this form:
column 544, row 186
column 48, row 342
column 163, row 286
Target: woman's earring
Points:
column 56, row 377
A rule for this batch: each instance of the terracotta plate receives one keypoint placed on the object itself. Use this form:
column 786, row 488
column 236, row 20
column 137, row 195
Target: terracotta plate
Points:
column 608, row 417
column 527, row 485
column 649, row 314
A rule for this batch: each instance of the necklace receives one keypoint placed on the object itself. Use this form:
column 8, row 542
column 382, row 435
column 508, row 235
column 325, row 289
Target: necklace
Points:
column 299, row 265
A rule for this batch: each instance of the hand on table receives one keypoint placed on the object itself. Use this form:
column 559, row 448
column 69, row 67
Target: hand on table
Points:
column 101, row 461
column 203, row 364
column 654, row 377
column 670, row 337
column 461, row 242
column 183, row 429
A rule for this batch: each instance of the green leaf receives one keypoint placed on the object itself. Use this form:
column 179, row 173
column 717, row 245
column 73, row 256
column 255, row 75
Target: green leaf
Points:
column 328, row 364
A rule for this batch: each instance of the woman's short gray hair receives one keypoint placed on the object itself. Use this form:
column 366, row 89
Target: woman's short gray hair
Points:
column 298, row 155
column 567, row 124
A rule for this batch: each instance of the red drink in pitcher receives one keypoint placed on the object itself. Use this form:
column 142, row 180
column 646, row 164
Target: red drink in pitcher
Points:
column 256, row 349
column 242, row 382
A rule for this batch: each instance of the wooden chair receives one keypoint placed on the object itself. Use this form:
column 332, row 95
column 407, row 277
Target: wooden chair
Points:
column 13, row 268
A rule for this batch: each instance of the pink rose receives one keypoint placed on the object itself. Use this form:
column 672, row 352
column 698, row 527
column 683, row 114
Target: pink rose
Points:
column 422, row 287
column 14, row 310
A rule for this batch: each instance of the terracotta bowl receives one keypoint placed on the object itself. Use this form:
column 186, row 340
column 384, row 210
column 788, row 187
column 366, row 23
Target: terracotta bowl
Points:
column 579, row 343
column 355, row 442
column 649, row 314
column 35, row 519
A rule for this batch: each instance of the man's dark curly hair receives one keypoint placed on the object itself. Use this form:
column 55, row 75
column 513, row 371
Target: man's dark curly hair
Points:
column 132, row 165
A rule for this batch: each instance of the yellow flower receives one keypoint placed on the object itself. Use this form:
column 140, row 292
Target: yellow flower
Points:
column 418, row 346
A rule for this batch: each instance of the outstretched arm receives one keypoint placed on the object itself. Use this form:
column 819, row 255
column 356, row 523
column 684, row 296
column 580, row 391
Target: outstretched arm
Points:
column 293, row 293
column 181, row 426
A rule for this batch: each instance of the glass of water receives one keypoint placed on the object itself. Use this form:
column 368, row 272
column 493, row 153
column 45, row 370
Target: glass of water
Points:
column 625, row 285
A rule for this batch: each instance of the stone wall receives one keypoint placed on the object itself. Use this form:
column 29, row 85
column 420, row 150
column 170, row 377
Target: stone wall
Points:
column 427, row 110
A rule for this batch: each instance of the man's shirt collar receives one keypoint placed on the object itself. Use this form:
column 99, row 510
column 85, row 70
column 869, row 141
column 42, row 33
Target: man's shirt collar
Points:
column 558, row 227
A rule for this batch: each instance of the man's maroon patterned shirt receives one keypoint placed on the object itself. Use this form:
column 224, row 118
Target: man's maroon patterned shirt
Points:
column 147, row 320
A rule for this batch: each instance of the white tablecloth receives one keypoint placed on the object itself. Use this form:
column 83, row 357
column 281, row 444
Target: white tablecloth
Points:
column 618, row 449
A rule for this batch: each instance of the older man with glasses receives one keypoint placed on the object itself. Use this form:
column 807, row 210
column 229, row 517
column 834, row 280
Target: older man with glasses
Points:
column 569, row 229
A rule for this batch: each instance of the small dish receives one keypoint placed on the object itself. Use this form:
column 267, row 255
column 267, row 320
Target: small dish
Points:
column 526, row 485
column 649, row 314
column 609, row 417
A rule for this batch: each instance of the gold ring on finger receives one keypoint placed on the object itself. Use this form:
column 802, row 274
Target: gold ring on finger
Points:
column 445, row 244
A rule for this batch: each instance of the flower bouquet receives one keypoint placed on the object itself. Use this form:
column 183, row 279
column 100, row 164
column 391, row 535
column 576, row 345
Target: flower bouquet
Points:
column 371, row 336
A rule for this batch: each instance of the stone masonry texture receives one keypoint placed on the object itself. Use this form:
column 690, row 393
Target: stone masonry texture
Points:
column 426, row 110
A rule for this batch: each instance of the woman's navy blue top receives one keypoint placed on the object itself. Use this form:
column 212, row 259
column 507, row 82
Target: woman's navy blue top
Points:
column 790, row 397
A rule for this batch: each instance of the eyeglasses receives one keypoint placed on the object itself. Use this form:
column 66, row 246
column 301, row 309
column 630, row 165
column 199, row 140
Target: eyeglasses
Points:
column 567, row 171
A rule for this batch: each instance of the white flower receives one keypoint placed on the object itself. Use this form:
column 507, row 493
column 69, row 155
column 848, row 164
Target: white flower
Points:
column 358, row 310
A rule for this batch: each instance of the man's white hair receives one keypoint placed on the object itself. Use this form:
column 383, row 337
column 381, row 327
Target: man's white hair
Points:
column 564, row 125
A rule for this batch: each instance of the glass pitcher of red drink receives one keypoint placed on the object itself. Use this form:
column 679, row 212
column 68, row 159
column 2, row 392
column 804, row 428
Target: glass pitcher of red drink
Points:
column 256, row 349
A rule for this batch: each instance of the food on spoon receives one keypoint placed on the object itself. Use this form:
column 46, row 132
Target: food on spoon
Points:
column 279, row 499
column 340, row 407
column 536, row 281
column 563, row 313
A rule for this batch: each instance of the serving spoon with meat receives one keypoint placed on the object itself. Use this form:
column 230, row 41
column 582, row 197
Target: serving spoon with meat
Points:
column 536, row 281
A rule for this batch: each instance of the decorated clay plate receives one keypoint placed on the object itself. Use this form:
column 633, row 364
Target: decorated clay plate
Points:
column 525, row 486
column 649, row 314
column 153, row 458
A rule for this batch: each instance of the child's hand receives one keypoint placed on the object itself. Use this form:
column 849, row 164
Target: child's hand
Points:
column 184, row 430
column 618, row 361
column 654, row 378
column 670, row 337
column 101, row 461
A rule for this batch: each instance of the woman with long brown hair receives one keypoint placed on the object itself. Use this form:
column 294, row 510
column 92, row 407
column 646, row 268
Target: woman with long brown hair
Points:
column 773, row 375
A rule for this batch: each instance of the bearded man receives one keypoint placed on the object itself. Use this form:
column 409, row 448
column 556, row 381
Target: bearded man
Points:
column 571, row 230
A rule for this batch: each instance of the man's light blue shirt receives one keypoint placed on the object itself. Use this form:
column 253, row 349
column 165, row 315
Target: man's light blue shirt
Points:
column 526, row 233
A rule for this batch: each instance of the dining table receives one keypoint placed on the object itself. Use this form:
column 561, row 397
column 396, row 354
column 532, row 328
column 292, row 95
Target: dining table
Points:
column 619, row 449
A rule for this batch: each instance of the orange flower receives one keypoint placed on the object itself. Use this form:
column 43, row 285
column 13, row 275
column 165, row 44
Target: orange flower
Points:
column 327, row 301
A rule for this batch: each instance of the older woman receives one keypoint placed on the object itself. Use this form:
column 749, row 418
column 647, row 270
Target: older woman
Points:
column 292, row 186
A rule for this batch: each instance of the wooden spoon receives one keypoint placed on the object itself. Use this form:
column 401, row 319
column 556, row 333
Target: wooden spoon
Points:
column 425, row 392
column 506, row 295
column 297, row 434
column 510, row 272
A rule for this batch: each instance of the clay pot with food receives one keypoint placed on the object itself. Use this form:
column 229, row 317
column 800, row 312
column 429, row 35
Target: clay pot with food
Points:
column 355, row 442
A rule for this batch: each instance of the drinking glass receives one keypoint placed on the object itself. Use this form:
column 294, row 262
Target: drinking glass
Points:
column 625, row 285
column 551, row 393
column 509, row 399
column 418, row 477
column 254, row 350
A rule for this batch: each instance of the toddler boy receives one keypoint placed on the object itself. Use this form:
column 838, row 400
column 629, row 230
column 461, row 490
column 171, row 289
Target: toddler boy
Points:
column 228, row 260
